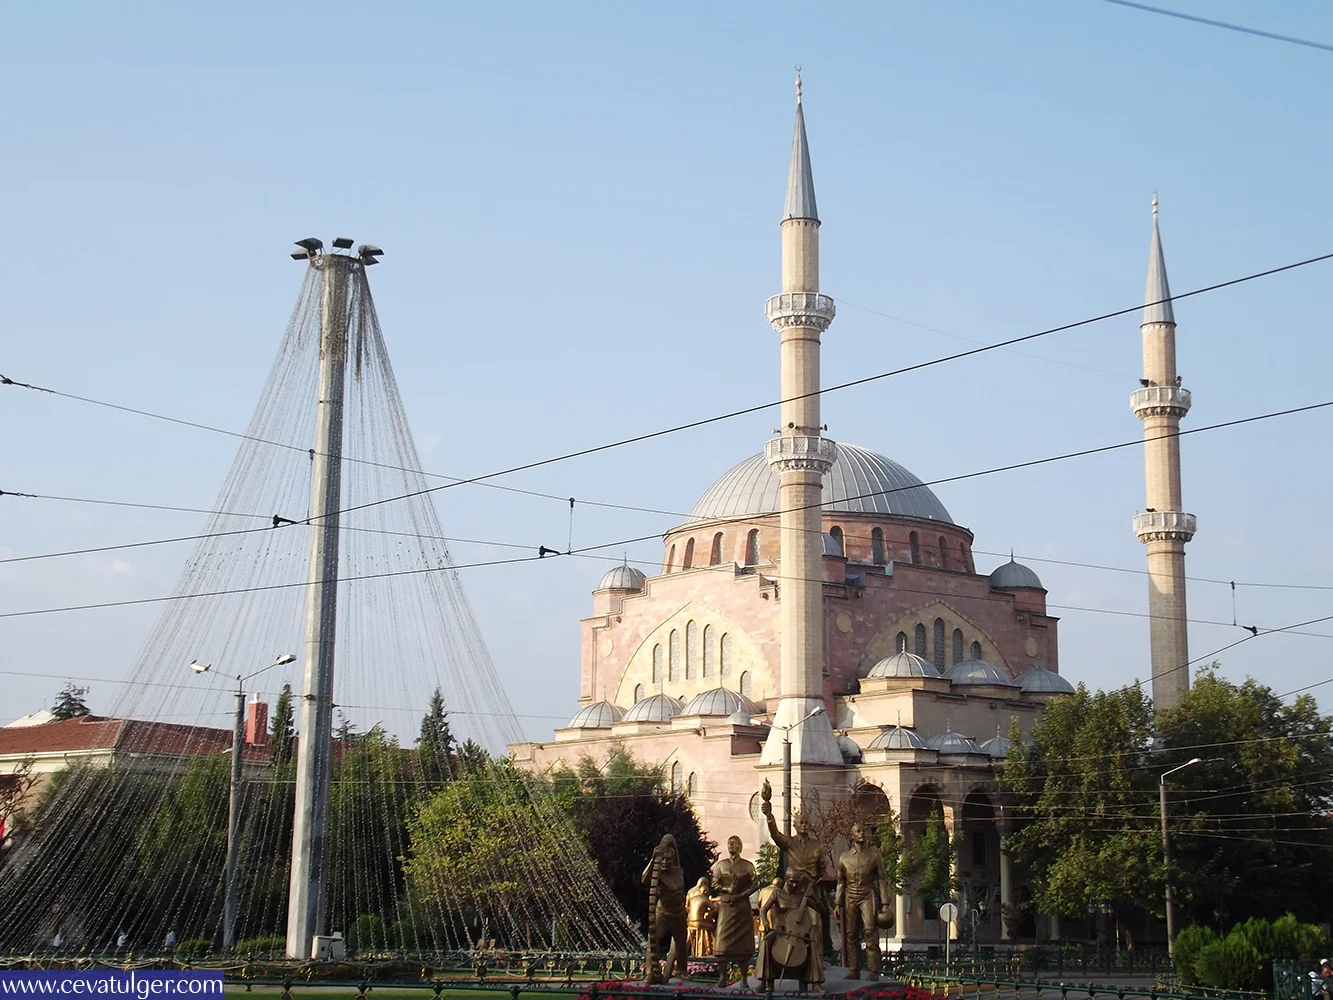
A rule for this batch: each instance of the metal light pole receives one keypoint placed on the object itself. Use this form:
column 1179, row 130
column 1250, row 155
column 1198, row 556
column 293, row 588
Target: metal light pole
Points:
column 1166, row 856
column 786, row 773
column 234, row 793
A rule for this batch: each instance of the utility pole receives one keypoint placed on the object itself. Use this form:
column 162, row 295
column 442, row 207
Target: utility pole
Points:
column 1166, row 857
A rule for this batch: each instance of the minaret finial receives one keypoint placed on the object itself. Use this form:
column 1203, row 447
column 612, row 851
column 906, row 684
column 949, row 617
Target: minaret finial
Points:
column 1154, row 206
column 798, row 84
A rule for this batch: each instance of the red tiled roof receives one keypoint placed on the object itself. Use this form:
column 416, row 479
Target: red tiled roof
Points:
column 90, row 732
column 87, row 732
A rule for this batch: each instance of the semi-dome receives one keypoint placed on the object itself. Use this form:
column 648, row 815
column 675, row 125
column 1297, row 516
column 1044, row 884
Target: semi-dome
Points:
column 949, row 742
column 623, row 577
column 1039, row 680
column 860, row 482
column 719, row 701
column 654, row 708
column 978, row 672
column 1015, row 576
column 897, row 738
column 904, row 664
column 598, row 715
column 851, row 751
column 998, row 746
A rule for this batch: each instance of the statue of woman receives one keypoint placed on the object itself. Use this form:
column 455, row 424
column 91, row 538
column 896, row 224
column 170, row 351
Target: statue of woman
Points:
column 735, row 879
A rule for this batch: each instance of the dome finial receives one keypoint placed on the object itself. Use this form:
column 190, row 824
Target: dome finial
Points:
column 798, row 83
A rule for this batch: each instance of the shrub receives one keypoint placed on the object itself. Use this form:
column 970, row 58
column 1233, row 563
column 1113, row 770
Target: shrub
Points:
column 261, row 946
column 1230, row 964
column 1189, row 942
column 366, row 934
column 194, row 947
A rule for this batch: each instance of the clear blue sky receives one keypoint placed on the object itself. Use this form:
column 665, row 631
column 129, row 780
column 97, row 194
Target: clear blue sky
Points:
column 579, row 205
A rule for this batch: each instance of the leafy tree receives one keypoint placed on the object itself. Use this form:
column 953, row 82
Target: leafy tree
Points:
column 473, row 758
column 766, row 864
column 435, row 744
column 69, row 703
column 1083, row 792
column 932, row 859
column 282, row 730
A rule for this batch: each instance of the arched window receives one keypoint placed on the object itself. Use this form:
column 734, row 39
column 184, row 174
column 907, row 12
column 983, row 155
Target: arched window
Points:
column 877, row 546
column 691, row 650
column 939, row 643
column 976, row 650
column 915, row 542
column 724, row 657
column 745, row 683
column 671, row 559
column 752, row 548
column 957, row 646
column 689, row 555
column 692, row 786
column 708, row 651
column 657, row 664
column 677, row 779
column 638, row 692
column 900, row 644
column 715, row 553
column 836, row 532
column 944, row 553
column 673, row 655
column 920, row 637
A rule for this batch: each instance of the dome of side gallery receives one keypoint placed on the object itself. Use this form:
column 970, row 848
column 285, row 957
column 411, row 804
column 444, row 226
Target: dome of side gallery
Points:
column 922, row 665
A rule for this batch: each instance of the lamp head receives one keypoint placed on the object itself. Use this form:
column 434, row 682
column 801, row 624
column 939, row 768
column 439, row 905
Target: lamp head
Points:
column 200, row 668
column 1196, row 760
column 819, row 710
column 284, row 659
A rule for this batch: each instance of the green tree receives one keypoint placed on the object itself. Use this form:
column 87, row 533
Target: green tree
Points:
column 931, row 860
column 766, row 864
column 435, row 744
column 1082, row 794
column 69, row 703
column 473, row 758
column 282, row 729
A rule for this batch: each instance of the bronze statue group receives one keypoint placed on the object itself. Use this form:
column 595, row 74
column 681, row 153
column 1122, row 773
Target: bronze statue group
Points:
column 716, row 916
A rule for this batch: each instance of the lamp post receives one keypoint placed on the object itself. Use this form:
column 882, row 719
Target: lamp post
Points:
column 233, row 792
column 1166, row 855
column 786, row 770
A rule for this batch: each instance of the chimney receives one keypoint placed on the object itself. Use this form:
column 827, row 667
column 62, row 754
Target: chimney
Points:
column 256, row 722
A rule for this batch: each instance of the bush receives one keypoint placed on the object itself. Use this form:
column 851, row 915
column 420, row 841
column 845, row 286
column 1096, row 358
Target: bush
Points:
column 366, row 934
column 1229, row 964
column 1189, row 942
column 262, row 946
column 194, row 947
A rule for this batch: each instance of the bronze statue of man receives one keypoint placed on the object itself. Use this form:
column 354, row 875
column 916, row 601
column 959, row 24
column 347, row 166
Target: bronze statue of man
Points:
column 668, row 921
column 860, row 874
column 735, row 879
column 805, row 854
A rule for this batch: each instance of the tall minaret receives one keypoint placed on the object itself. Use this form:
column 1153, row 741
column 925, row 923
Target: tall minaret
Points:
column 800, row 457
column 1164, row 527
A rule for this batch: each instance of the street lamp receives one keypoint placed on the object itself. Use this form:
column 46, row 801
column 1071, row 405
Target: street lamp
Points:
column 786, row 768
column 1166, row 855
column 233, row 792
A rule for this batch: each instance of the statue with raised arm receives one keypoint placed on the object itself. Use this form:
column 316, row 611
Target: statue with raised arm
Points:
column 803, row 851
column 860, row 875
column 667, row 921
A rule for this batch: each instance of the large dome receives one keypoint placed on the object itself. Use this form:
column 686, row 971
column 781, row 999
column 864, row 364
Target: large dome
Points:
column 860, row 482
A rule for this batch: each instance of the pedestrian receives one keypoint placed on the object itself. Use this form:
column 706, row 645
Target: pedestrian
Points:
column 171, row 941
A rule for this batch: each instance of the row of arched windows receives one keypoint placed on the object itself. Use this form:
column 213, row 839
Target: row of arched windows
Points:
column 714, row 552
column 702, row 655
column 680, row 785
column 937, row 648
column 746, row 686
column 880, row 554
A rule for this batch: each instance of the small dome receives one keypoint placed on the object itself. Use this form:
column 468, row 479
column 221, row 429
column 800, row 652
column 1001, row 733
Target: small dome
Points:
column 831, row 546
column 719, row 701
column 978, row 672
column 904, row 664
column 998, row 747
column 654, row 708
column 1039, row 680
column 851, row 750
column 1015, row 576
column 949, row 742
column 898, row 738
column 623, row 577
column 598, row 715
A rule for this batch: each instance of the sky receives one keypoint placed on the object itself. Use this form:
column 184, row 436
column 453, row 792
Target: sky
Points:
column 579, row 208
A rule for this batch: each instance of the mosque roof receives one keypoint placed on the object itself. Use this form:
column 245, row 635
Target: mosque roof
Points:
column 998, row 746
column 898, row 738
column 949, row 742
column 598, row 715
column 851, row 751
column 654, row 708
column 1039, row 680
column 719, row 701
column 1158, row 289
column 904, row 664
column 1014, row 576
column 624, row 577
column 860, row 482
column 978, row 672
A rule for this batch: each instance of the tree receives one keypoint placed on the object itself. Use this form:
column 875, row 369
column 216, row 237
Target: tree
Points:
column 933, row 859
column 282, row 730
column 473, row 758
column 435, row 744
column 69, row 703
column 1083, row 794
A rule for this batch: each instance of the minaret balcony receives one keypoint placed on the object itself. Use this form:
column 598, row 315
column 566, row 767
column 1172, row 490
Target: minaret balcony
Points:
column 1164, row 526
column 800, row 453
column 1160, row 401
column 807, row 310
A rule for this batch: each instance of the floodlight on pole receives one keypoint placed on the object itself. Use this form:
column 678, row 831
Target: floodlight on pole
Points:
column 1166, row 854
column 786, row 768
column 200, row 668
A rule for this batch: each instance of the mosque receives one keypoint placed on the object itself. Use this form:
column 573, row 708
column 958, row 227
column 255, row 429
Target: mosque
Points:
column 821, row 606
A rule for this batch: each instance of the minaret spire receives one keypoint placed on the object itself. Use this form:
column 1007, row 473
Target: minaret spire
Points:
column 1164, row 527
column 801, row 456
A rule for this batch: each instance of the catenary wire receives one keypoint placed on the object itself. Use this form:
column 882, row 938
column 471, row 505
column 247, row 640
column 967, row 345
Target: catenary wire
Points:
column 1257, row 32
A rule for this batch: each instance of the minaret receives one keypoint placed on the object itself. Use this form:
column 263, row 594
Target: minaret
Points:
column 800, row 457
column 1164, row 527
